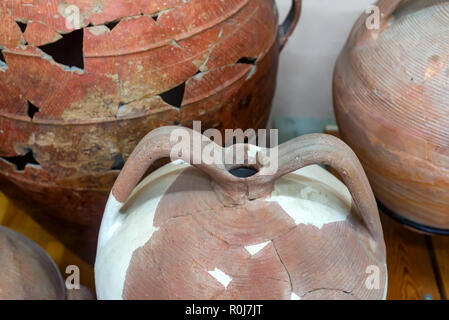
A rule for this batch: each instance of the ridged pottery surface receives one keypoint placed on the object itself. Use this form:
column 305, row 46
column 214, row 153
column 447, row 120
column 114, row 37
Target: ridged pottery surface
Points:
column 198, row 232
column 28, row 273
column 82, row 82
column 392, row 106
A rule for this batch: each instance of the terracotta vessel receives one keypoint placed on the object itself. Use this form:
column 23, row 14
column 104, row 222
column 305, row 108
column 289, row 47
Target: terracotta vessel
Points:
column 28, row 273
column 207, row 231
column 392, row 107
column 81, row 82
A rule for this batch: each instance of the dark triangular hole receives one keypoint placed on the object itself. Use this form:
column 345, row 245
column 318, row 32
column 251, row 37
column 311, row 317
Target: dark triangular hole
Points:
column 119, row 162
column 155, row 17
column 68, row 50
column 111, row 25
column 174, row 96
column 22, row 161
column 2, row 58
column 246, row 60
column 31, row 110
column 22, row 26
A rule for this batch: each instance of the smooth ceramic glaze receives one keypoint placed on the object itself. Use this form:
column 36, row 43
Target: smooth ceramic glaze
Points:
column 198, row 232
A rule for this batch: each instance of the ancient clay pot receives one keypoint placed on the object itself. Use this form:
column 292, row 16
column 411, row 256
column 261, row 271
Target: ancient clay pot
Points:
column 392, row 106
column 82, row 83
column 28, row 273
column 200, row 232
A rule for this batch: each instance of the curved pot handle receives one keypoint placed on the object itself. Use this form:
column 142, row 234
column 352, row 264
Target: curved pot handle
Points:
column 325, row 149
column 290, row 23
column 159, row 144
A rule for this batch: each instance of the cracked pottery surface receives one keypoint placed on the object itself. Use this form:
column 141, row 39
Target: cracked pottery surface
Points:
column 78, row 101
column 198, row 232
column 392, row 106
column 28, row 273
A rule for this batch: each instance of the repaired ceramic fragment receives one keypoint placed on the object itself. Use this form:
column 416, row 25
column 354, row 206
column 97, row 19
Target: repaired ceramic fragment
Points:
column 199, row 232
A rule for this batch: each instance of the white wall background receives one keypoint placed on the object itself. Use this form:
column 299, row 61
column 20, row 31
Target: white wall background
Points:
column 307, row 62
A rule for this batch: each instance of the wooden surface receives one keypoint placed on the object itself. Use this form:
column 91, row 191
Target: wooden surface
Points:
column 441, row 249
column 410, row 261
column 418, row 265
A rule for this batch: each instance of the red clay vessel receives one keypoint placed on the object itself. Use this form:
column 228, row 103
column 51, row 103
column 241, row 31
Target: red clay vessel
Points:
column 392, row 106
column 81, row 82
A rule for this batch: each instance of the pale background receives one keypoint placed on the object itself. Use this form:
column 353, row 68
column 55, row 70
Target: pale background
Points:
column 307, row 62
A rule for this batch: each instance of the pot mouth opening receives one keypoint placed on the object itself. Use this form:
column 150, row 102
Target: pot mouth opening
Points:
column 243, row 171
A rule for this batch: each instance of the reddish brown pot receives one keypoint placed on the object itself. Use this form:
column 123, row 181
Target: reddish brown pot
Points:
column 199, row 232
column 28, row 273
column 392, row 107
column 76, row 125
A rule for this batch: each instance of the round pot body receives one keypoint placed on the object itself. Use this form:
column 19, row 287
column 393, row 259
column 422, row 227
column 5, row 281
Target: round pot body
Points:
column 185, row 234
column 28, row 273
column 81, row 84
column 392, row 106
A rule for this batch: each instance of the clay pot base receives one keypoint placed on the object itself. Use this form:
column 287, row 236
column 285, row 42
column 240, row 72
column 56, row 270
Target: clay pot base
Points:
column 412, row 225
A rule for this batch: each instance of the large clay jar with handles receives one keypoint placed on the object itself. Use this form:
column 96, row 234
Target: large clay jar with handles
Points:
column 28, row 273
column 83, row 81
column 206, row 231
column 391, row 100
